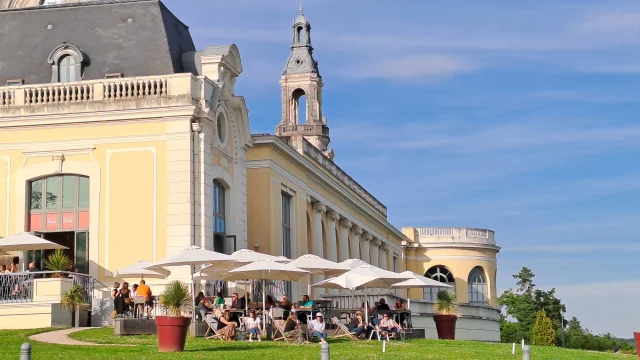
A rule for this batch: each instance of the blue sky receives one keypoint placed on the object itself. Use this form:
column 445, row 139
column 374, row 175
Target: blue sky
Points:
column 518, row 116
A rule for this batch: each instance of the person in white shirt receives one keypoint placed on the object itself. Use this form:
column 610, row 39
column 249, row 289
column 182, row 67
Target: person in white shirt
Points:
column 253, row 326
column 317, row 327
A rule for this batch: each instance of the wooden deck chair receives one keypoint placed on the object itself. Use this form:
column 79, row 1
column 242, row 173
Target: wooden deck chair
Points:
column 278, row 333
column 400, row 331
column 213, row 326
column 341, row 330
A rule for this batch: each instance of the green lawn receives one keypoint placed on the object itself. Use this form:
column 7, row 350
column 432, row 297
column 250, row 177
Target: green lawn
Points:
column 145, row 348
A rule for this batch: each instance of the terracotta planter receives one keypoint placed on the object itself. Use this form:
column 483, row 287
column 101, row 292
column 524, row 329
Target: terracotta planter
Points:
column 446, row 326
column 637, row 337
column 172, row 333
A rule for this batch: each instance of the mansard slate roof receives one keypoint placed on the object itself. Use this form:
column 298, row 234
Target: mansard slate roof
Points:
column 133, row 37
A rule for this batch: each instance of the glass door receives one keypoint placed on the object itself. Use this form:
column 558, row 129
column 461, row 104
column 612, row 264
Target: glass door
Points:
column 82, row 252
column 34, row 256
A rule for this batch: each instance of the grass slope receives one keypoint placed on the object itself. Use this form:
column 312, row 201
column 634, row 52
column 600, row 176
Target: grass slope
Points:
column 145, row 348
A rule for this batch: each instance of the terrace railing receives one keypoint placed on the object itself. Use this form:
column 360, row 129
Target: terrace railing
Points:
column 18, row 287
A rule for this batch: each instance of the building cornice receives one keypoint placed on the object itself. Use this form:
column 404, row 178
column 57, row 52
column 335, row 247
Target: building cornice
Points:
column 451, row 245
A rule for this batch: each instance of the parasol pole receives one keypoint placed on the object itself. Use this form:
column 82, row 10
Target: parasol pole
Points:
column 309, row 285
column 366, row 305
column 264, row 308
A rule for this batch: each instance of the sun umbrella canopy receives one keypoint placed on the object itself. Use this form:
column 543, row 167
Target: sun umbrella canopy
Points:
column 363, row 276
column 418, row 281
column 266, row 270
column 247, row 256
column 353, row 263
column 191, row 256
column 139, row 269
column 27, row 241
column 317, row 265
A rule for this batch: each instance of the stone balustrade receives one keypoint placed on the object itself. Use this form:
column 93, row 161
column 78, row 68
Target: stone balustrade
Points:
column 456, row 235
column 98, row 90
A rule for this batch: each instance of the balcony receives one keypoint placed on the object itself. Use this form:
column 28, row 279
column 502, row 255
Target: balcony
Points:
column 104, row 94
column 449, row 236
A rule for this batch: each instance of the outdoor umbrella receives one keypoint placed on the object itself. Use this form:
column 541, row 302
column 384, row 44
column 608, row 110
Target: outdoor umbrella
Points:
column 191, row 256
column 353, row 263
column 417, row 281
column 266, row 270
column 362, row 277
column 316, row 265
column 140, row 270
column 27, row 241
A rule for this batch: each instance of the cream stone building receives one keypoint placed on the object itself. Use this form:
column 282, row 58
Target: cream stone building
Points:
column 126, row 143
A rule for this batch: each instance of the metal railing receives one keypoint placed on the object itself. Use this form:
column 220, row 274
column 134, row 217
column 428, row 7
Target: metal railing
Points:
column 18, row 287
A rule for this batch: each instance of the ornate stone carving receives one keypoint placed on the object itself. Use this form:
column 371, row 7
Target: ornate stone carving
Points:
column 367, row 237
column 346, row 223
column 58, row 159
column 319, row 207
column 356, row 230
column 384, row 247
column 333, row 215
column 376, row 242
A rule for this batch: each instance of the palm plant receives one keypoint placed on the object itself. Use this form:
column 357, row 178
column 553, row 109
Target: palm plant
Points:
column 72, row 300
column 446, row 303
column 57, row 261
column 176, row 297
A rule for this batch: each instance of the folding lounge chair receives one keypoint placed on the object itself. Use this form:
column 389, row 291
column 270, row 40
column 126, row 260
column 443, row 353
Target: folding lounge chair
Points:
column 376, row 330
column 213, row 326
column 278, row 333
column 342, row 330
column 400, row 331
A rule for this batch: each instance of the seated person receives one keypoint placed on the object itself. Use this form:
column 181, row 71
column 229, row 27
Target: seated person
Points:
column 219, row 299
column 202, row 305
column 292, row 330
column 386, row 325
column 286, row 305
column 382, row 305
column 400, row 307
column 269, row 303
column 317, row 328
column 237, row 303
column 226, row 327
column 358, row 326
column 144, row 290
column 253, row 326
column 306, row 303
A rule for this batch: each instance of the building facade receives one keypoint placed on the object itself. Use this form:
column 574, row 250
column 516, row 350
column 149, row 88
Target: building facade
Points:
column 124, row 148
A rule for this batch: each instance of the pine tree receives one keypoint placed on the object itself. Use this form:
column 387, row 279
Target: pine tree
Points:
column 543, row 333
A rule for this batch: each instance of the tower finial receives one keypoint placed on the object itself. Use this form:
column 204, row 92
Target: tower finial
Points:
column 301, row 8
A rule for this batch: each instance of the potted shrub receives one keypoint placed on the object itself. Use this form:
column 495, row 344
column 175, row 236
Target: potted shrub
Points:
column 446, row 315
column 57, row 261
column 72, row 300
column 172, row 329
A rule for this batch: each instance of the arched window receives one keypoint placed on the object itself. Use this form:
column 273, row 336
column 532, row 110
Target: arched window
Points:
column 478, row 288
column 443, row 275
column 67, row 63
column 221, row 128
column 300, row 106
column 66, row 69
column 300, row 34
column 219, row 220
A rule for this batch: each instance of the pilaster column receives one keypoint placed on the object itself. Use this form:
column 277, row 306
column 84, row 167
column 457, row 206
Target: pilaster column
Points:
column 316, row 242
column 356, row 234
column 364, row 247
column 375, row 246
column 332, row 242
column 343, row 248
column 383, row 257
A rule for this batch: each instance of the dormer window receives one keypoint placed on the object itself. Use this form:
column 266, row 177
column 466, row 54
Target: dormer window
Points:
column 67, row 62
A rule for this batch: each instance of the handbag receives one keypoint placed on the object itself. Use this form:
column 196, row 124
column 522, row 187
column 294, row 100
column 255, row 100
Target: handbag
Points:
column 114, row 314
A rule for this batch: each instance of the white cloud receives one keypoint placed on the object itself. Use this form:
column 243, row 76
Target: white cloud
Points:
column 416, row 67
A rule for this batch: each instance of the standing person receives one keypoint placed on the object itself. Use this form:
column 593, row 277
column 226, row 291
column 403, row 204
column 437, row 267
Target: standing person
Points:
column 134, row 294
column 125, row 292
column 144, row 290
column 118, row 303
column 400, row 307
column 253, row 326
column 317, row 327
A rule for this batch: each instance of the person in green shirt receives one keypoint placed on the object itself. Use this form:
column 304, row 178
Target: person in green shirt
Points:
column 306, row 303
column 219, row 299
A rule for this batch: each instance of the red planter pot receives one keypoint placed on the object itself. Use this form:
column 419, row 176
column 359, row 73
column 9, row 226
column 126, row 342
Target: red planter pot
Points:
column 637, row 337
column 172, row 333
column 446, row 326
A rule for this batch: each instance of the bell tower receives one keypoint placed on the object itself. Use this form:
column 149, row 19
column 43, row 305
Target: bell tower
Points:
column 301, row 85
